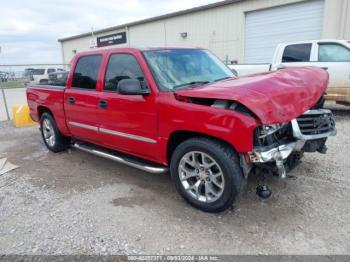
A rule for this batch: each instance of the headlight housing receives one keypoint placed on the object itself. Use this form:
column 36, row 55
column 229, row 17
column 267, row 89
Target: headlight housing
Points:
column 272, row 135
column 269, row 130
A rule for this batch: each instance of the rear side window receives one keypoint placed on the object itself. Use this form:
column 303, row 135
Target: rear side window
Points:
column 50, row 70
column 333, row 53
column 297, row 53
column 86, row 71
column 122, row 66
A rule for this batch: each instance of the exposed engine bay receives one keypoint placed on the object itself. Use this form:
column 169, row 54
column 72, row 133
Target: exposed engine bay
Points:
column 224, row 104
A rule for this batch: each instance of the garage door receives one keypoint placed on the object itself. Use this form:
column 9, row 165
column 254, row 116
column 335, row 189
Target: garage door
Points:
column 264, row 29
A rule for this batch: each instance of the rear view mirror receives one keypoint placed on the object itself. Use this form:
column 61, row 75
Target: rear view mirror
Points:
column 131, row 87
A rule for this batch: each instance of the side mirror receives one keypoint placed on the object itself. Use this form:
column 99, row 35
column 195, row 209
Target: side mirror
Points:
column 131, row 87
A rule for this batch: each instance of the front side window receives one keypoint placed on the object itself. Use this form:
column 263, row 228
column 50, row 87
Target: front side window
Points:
column 297, row 53
column 333, row 53
column 122, row 66
column 50, row 70
column 183, row 68
column 86, row 72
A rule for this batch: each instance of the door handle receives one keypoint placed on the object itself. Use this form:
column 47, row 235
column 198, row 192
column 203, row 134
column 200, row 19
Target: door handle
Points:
column 102, row 104
column 71, row 100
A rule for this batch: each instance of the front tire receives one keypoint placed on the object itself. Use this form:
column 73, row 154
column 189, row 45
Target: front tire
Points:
column 207, row 174
column 52, row 137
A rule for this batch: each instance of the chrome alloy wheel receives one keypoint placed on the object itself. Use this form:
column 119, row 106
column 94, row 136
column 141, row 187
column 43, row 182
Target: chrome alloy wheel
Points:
column 201, row 176
column 49, row 133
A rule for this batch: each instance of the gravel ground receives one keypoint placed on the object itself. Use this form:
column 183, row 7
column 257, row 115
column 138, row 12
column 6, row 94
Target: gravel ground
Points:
column 75, row 203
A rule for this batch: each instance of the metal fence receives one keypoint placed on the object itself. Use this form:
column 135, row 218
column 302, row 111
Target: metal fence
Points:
column 15, row 78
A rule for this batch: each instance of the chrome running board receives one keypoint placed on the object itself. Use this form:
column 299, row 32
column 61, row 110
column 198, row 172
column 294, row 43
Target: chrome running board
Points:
column 139, row 164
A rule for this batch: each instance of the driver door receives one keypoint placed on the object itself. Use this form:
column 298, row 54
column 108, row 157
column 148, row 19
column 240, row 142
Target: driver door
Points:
column 127, row 123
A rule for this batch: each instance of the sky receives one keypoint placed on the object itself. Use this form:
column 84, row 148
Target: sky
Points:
column 29, row 29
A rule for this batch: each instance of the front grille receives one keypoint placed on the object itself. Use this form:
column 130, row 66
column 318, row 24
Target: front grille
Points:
column 316, row 123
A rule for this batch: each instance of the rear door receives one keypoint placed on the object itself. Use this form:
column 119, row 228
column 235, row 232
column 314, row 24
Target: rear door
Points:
column 127, row 122
column 81, row 97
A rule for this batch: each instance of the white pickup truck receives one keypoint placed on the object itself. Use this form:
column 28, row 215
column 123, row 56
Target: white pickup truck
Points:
column 41, row 75
column 331, row 54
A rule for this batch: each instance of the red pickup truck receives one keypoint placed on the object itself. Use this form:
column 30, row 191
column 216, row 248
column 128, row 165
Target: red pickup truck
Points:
column 182, row 109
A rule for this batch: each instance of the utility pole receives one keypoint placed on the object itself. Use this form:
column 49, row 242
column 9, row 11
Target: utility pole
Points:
column 4, row 97
column 93, row 41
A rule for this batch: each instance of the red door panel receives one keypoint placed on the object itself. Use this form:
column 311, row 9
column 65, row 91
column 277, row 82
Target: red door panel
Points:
column 81, row 113
column 81, row 96
column 129, row 123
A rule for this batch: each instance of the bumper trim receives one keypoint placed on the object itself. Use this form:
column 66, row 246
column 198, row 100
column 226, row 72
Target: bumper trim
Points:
column 262, row 156
column 276, row 154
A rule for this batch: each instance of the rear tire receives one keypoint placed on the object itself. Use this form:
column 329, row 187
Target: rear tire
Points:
column 207, row 174
column 52, row 137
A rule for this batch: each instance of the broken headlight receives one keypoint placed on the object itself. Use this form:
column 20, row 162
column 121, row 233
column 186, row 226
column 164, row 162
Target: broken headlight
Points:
column 269, row 130
column 273, row 135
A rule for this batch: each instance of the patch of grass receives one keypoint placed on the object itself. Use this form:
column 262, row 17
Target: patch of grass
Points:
column 12, row 84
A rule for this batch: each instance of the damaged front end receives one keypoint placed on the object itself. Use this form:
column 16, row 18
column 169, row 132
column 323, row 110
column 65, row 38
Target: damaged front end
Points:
column 277, row 147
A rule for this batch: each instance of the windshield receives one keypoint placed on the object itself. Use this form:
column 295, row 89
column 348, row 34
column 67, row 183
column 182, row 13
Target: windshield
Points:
column 184, row 68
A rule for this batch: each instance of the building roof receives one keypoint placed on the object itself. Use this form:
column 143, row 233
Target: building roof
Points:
column 138, row 48
column 152, row 19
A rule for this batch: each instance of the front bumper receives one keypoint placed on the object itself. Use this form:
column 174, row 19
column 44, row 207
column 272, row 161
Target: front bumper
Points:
column 310, row 132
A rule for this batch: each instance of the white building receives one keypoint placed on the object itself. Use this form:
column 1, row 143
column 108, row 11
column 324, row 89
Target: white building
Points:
column 243, row 31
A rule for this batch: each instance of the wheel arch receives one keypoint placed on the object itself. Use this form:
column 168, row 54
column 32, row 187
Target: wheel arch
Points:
column 179, row 136
column 44, row 109
column 60, row 120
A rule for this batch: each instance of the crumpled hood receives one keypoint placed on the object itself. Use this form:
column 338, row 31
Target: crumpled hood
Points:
column 274, row 97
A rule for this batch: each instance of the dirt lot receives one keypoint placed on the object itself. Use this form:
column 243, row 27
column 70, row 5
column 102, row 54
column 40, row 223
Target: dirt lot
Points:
column 73, row 202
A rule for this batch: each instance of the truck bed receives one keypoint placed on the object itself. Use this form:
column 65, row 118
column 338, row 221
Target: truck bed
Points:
column 49, row 96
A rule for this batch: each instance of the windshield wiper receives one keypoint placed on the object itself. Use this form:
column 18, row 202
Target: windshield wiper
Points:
column 191, row 84
column 227, row 77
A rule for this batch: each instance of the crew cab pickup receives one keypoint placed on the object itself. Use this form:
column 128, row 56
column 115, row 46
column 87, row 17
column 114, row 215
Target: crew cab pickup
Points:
column 183, row 110
column 330, row 54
